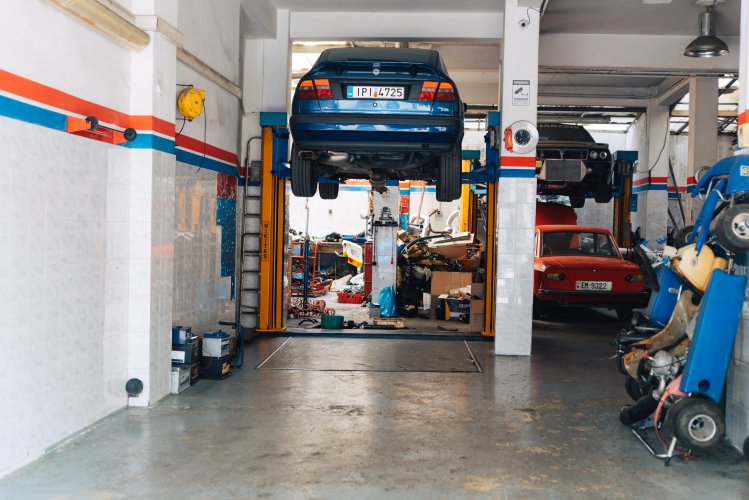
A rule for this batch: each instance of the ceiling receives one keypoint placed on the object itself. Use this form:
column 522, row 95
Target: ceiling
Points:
column 389, row 5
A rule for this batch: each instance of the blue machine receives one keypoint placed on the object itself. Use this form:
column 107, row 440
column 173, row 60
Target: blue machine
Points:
column 714, row 336
column 662, row 303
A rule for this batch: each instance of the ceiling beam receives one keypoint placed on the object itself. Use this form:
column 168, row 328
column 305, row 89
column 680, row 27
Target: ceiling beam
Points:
column 397, row 26
column 632, row 52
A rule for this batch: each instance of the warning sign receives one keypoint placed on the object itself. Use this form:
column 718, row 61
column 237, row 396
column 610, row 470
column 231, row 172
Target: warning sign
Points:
column 521, row 92
column 265, row 241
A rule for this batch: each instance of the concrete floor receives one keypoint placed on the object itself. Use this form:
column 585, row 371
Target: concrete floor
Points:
column 539, row 427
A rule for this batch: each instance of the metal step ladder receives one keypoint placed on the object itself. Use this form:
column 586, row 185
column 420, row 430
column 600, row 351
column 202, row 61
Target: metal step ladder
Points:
column 249, row 249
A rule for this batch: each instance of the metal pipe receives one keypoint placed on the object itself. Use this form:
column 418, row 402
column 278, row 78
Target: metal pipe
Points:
column 106, row 21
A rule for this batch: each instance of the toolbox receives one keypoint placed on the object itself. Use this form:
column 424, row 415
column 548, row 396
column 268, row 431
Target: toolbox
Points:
column 180, row 379
column 216, row 344
column 215, row 368
column 186, row 354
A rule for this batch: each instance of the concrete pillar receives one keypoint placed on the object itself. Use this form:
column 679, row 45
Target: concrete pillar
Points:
column 516, row 188
column 651, row 177
column 151, row 215
column 703, row 133
column 737, row 405
column 267, row 63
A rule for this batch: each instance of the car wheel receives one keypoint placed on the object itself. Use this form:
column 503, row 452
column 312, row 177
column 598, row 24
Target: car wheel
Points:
column 577, row 201
column 603, row 196
column 303, row 178
column 448, row 181
column 732, row 229
column 632, row 386
column 682, row 236
column 624, row 313
column 697, row 423
column 328, row 190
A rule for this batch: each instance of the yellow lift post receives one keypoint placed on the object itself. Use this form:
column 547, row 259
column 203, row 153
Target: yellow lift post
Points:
column 624, row 200
column 273, row 276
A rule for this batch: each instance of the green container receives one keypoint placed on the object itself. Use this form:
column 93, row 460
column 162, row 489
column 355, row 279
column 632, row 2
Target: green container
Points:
column 333, row 322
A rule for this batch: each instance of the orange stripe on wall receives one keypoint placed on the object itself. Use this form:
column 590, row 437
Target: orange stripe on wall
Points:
column 517, row 161
column 34, row 91
column 197, row 146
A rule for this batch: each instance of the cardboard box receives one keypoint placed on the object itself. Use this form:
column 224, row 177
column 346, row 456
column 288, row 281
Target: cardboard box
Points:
column 444, row 281
column 453, row 309
column 477, row 315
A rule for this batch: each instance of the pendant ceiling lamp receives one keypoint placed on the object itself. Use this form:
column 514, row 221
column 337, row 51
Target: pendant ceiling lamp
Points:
column 707, row 44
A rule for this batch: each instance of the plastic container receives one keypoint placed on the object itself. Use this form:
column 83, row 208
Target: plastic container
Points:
column 350, row 298
column 333, row 322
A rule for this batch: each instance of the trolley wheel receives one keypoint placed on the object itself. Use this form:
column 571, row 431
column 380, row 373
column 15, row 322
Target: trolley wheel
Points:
column 633, row 388
column 732, row 229
column 697, row 423
column 682, row 236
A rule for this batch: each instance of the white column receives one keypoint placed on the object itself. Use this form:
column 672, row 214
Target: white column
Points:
column 266, row 77
column 516, row 188
column 737, row 408
column 651, row 177
column 703, row 133
column 151, row 215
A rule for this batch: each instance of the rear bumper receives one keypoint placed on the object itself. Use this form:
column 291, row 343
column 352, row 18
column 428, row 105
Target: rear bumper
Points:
column 582, row 298
column 373, row 133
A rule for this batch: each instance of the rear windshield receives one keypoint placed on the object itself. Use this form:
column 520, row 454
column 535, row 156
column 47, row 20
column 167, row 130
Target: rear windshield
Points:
column 578, row 243
column 567, row 133
column 381, row 54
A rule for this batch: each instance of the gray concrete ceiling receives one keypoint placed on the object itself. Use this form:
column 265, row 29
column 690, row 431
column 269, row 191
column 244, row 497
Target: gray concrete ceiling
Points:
column 679, row 17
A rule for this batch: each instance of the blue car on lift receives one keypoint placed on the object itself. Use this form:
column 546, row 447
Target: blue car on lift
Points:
column 376, row 113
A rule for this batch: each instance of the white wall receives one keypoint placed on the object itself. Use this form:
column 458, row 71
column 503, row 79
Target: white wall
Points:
column 91, row 251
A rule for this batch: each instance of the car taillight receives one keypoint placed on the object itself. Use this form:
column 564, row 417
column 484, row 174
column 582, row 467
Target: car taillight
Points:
column 428, row 91
column 314, row 89
column 323, row 89
column 634, row 278
column 445, row 93
column 555, row 276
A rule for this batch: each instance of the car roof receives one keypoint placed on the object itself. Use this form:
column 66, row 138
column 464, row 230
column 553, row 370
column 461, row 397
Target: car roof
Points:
column 424, row 56
column 571, row 228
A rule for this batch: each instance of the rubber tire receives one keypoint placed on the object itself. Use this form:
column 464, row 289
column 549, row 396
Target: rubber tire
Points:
column 746, row 448
column 577, row 201
column 681, row 236
column 624, row 313
column 633, row 388
column 328, row 191
column 727, row 236
column 603, row 196
column 449, row 187
column 303, row 178
column 685, row 410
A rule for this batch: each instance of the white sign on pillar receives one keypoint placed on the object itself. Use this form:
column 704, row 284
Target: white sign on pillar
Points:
column 516, row 188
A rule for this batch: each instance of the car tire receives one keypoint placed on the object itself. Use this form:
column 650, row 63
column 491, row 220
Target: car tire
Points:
column 328, row 190
column 448, row 181
column 633, row 388
column 603, row 196
column 732, row 229
column 577, row 201
column 697, row 423
column 303, row 178
column 682, row 236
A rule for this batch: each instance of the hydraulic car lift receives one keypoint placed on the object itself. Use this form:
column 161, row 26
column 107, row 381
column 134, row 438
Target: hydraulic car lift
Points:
column 274, row 278
column 624, row 162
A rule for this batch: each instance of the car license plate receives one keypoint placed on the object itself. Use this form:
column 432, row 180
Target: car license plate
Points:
column 595, row 286
column 370, row 92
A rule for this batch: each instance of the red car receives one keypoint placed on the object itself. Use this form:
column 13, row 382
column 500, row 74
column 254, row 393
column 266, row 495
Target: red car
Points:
column 582, row 266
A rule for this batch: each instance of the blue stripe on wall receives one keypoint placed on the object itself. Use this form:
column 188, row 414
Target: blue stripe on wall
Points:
column 517, row 173
column 207, row 163
column 32, row 114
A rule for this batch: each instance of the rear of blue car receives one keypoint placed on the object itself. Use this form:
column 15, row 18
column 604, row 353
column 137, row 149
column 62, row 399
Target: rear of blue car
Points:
column 378, row 114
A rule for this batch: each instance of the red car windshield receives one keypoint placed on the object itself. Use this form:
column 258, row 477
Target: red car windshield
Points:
column 577, row 243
